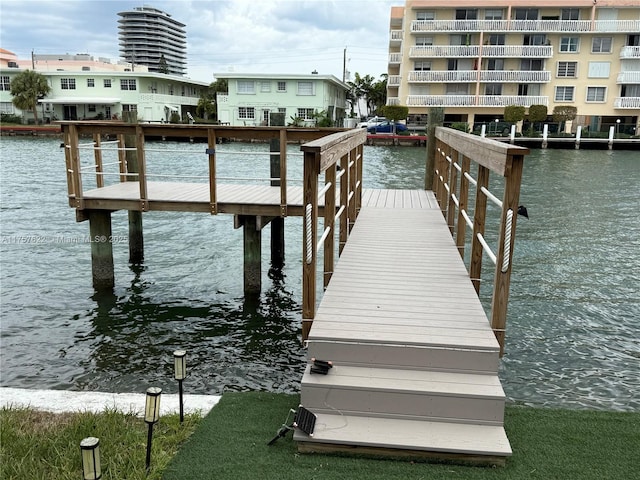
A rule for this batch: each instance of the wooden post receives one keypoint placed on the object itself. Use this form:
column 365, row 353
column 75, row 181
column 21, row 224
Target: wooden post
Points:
column 479, row 216
column 252, row 254
column 329, row 223
column 453, row 187
column 502, row 280
column 101, row 249
column 463, row 201
column 97, row 153
column 136, row 237
column 277, row 224
column 344, row 201
column 352, row 172
column 435, row 119
column 211, row 151
column 309, row 240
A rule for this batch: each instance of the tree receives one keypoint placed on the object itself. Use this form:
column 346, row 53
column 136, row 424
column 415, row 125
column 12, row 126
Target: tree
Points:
column 162, row 65
column 378, row 96
column 564, row 113
column 537, row 113
column 208, row 103
column 27, row 88
column 395, row 113
column 513, row 113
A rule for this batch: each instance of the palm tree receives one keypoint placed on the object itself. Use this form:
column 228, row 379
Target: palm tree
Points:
column 378, row 96
column 27, row 88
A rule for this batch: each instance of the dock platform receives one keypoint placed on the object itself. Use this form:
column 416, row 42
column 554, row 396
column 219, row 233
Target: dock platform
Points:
column 415, row 358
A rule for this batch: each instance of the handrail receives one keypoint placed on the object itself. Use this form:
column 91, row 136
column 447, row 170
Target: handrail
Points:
column 451, row 186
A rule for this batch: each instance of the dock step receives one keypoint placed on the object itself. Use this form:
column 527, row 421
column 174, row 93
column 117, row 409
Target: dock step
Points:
column 402, row 437
column 419, row 394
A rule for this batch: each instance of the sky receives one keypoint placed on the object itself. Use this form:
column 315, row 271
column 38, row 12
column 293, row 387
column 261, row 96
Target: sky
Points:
column 241, row 36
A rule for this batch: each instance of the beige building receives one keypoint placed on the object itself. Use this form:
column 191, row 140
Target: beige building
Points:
column 474, row 57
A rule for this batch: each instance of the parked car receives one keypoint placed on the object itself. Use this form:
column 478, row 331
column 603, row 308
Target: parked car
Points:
column 388, row 127
column 371, row 122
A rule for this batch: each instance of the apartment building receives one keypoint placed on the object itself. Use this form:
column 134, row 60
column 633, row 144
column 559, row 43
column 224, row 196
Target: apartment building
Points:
column 154, row 38
column 253, row 97
column 85, row 88
column 474, row 57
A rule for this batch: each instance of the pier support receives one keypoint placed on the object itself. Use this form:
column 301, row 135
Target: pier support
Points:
column 101, row 249
column 277, row 224
column 136, row 239
column 436, row 119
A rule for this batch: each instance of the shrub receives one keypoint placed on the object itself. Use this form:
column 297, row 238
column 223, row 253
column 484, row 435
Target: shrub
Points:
column 537, row 113
column 513, row 113
column 10, row 118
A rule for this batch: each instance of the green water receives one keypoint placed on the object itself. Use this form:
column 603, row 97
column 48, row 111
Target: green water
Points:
column 573, row 320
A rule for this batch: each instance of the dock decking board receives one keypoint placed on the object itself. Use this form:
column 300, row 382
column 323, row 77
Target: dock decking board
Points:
column 415, row 357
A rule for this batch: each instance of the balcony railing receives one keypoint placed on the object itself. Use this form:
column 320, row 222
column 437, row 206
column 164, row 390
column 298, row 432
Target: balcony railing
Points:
column 474, row 51
column 627, row 102
column 421, row 26
column 630, row 52
column 394, row 80
column 473, row 101
column 395, row 36
column 393, row 101
column 468, row 76
column 629, row 77
column 395, row 58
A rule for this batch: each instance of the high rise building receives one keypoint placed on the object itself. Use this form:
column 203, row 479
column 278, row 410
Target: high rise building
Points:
column 151, row 37
column 474, row 57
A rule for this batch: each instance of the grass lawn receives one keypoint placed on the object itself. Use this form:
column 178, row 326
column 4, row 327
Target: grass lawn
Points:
column 231, row 443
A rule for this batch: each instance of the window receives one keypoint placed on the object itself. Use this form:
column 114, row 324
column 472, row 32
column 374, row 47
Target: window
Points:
column 564, row 94
column 5, row 84
column 569, row 14
column 457, row 89
column 422, row 66
column 106, row 83
column 535, row 39
column 466, row 14
column 426, row 15
column 599, row 69
column 601, row 44
column 493, row 89
column 91, row 82
column 68, row 83
column 129, row 108
column 452, row 64
column 306, row 113
column 424, row 41
column 305, row 88
column 496, row 39
column 526, row 14
column 265, row 87
column 246, row 87
column 528, row 89
column 282, row 110
column 91, row 107
column 493, row 14
column 246, row 113
column 569, row 44
column 6, row 107
column 282, row 86
column 495, row 64
column 127, row 84
column 567, row 69
column 596, row 94
column 531, row 65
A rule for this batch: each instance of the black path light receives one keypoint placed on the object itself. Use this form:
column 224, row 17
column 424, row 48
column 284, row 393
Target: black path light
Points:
column 151, row 416
column 90, row 448
column 180, row 364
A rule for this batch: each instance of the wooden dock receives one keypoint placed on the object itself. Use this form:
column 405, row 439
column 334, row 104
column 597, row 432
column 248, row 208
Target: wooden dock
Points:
column 415, row 358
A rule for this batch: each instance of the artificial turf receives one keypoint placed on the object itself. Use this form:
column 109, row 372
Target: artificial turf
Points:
column 231, row 443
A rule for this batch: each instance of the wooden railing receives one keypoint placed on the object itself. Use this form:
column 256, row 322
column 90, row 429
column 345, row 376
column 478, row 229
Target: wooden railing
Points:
column 455, row 151
column 131, row 137
column 339, row 157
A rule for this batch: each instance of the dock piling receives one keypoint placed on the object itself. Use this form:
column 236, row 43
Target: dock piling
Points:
column 101, row 249
column 136, row 238
column 277, row 224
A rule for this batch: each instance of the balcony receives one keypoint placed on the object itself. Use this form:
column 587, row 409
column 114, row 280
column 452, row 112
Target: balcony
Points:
column 485, row 76
column 627, row 102
column 547, row 26
column 474, row 51
column 629, row 77
column 393, row 101
column 630, row 52
column 473, row 101
column 393, row 80
column 395, row 37
column 395, row 58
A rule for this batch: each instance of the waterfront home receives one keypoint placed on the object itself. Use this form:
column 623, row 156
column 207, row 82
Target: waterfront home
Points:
column 85, row 88
column 252, row 98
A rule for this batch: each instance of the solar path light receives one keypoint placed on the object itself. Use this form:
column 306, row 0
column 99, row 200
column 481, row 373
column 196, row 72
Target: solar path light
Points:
column 151, row 416
column 90, row 448
column 179, row 360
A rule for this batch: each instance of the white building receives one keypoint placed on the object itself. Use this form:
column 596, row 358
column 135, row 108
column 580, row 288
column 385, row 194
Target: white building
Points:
column 253, row 97
column 88, row 89
column 147, row 35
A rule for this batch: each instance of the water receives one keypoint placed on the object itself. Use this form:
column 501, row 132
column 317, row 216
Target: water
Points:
column 573, row 318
